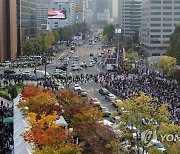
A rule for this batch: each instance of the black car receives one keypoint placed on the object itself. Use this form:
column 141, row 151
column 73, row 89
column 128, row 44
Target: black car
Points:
column 91, row 55
column 103, row 91
column 9, row 71
column 64, row 67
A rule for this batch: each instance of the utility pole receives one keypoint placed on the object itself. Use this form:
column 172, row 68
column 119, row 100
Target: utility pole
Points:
column 118, row 33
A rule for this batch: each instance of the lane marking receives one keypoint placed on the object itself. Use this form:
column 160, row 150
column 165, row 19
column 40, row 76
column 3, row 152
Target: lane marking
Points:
column 97, row 69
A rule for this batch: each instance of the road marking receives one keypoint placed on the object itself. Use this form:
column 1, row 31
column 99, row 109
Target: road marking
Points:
column 97, row 69
column 62, row 54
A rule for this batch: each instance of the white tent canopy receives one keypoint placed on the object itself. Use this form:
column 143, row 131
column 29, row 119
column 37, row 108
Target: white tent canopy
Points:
column 62, row 122
column 20, row 146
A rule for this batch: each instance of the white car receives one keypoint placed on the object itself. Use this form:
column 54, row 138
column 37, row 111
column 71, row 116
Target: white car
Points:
column 76, row 68
column 60, row 86
column 77, row 87
column 91, row 64
column 158, row 145
column 110, row 97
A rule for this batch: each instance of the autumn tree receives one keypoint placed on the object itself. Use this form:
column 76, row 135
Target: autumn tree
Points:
column 61, row 149
column 166, row 64
column 136, row 111
column 44, row 131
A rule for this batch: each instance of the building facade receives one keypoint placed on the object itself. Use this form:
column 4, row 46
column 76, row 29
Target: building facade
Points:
column 129, row 15
column 79, row 15
column 42, row 11
column 27, row 21
column 159, row 18
column 8, row 30
column 60, row 14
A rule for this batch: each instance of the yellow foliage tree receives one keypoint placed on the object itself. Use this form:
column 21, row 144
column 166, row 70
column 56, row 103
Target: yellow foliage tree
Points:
column 166, row 64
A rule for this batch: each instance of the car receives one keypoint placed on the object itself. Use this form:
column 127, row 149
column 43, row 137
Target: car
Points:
column 114, row 118
column 95, row 102
column 105, row 111
column 103, row 91
column 95, row 59
column 9, row 71
column 7, row 63
column 91, row 55
column 141, row 151
column 158, row 145
column 76, row 68
column 99, row 55
column 60, row 86
column 83, row 64
column 92, row 61
column 110, row 97
column 77, row 87
column 122, row 110
column 83, row 93
column 64, row 67
column 91, row 64
column 116, row 102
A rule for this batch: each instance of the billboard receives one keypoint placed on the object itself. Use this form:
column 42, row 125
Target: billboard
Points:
column 56, row 14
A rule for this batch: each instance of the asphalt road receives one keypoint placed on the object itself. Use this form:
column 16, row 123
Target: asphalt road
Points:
column 83, row 53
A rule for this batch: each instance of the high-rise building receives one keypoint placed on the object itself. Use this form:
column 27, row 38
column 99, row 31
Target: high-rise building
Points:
column 115, row 11
column 159, row 18
column 101, row 10
column 8, row 30
column 79, row 15
column 27, row 21
column 129, row 17
column 60, row 14
column 42, row 11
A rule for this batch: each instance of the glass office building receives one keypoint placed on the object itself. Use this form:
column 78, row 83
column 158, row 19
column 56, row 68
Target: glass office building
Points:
column 27, row 21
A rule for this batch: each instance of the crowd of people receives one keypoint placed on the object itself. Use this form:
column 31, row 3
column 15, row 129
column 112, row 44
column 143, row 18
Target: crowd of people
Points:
column 153, row 84
column 55, row 83
column 6, row 129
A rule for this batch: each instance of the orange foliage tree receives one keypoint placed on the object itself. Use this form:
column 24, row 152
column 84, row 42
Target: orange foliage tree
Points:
column 69, row 97
column 44, row 131
column 32, row 90
column 41, row 102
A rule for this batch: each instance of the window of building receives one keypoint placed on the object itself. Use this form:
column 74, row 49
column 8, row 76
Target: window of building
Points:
column 176, row 13
column 167, row 7
column 155, row 13
column 167, row 25
column 167, row 19
column 177, row 2
column 155, row 19
column 167, row 13
column 155, row 2
column 177, row 7
column 155, row 42
column 176, row 19
column 155, row 25
column 166, row 36
column 156, row 7
column 167, row 30
column 155, row 30
column 167, row 2
column 155, row 36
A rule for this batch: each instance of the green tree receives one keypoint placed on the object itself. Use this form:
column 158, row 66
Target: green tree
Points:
column 174, row 49
column 38, row 43
column 56, row 36
column 29, row 48
column 109, row 31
